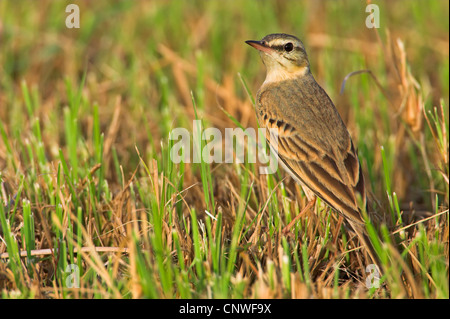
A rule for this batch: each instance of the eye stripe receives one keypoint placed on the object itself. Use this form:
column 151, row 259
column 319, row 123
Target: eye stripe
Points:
column 281, row 48
column 278, row 47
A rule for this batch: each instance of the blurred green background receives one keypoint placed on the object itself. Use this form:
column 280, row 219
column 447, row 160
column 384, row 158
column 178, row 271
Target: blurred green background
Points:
column 154, row 53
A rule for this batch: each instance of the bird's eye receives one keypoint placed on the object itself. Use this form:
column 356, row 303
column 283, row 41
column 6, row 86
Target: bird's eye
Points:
column 288, row 47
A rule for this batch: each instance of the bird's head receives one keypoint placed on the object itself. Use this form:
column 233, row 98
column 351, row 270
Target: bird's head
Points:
column 283, row 55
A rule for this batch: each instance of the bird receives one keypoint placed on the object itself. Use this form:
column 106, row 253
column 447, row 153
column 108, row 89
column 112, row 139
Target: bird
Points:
column 307, row 133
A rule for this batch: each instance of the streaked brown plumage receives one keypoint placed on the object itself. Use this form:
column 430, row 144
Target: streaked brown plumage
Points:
column 311, row 139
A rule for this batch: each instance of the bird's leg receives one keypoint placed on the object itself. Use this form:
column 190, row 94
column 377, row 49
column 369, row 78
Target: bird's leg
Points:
column 291, row 224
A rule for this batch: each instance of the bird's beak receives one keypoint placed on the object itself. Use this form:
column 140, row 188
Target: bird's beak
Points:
column 260, row 46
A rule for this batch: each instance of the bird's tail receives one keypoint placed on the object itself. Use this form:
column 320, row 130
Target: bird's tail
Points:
column 363, row 236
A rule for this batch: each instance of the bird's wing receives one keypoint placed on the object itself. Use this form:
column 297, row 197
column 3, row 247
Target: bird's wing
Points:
column 313, row 142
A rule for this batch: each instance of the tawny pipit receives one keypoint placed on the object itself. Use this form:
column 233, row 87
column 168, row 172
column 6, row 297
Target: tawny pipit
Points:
column 311, row 140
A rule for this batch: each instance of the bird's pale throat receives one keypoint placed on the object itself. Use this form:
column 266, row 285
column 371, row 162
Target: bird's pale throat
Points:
column 280, row 73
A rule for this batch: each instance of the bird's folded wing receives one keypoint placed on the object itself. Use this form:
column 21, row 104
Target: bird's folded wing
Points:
column 334, row 182
column 313, row 142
